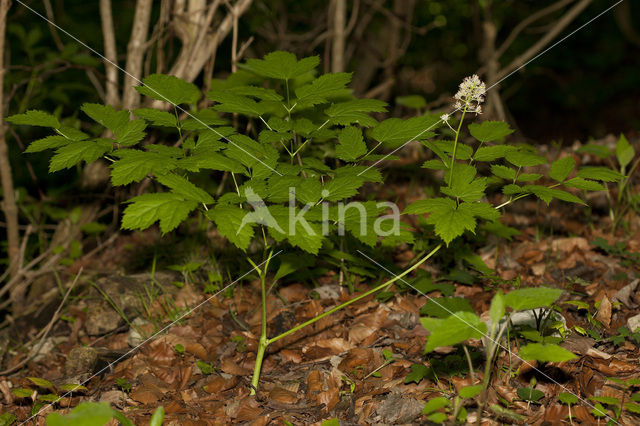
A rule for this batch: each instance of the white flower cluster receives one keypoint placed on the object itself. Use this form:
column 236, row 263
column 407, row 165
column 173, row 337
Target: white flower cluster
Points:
column 470, row 94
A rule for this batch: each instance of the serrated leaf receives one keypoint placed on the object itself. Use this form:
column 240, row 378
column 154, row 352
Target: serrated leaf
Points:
column 491, row 153
column 418, row 372
column 599, row 173
column 545, row 353
column 412, row 101
column 394, row 132
column 464, row 186
column 532, row 297
column 300, row 233
column 528, row 177
column 35, row 118
column 489, row 131
column 131, row 133
column 75, row 152
column 340, row 188
column 50, row 142
column 309, row 191
column 547, row 194
column 355, row 111
column 463, row 152
column 561, row 168
column 106, row 116
column 624, row 151
column 229, row 102
column 449, row 221
column 281, row 65
column 470, row 391
column 281, row 188
column 184, row 188
column 456, row 329
column 156, row 117
column 350, row 144
column 169, row 88
column 229, row 221
column 134, row 165
column 503, row 172
column 256, row 92
column 587, row 185
column 597, row 150
column 323, row 88
column 203, row 120
column 481, row 210
column 368, row 174
column 72, row 133
column 524, row 158
column 144, row 210
column 434, row 165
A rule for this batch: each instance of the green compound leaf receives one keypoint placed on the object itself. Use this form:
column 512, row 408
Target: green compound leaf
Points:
column 75, row 152
column 355, row 111
column 597, row 150
column 350, row 144
column 463, row 184
column 204, row 119
column 35, row 118
column 561, row 168
column 50, row 142
column 599, row 173
column 624, row 151
column 545, row 353
column 156, row 117
column 72, row 133
column 449, row 220
column 412, row 101
column 281, row 65
column 300, row 233
column 532, row 297
column 169, row 88
column 134, row 165
column 342, row 187
column 394, row 132
column 587, row 185
column 323, row 88
column 184, row 188
column 481, row 210
column 106, row 116
column 457, row 328
column 85, row 414
column 228, row 102
column 470, row 391
column 230, row 223
column 547, row 194
column 131, row 133
column 418, row 372
column 489, row 131
column 491, row 153
column 257, row 92
column 528, row 177
column 503, row 172
column 170, row 209
column 524, row 158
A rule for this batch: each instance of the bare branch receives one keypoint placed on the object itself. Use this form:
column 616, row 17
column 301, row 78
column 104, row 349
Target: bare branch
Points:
column 339, row 35
column 545, row 40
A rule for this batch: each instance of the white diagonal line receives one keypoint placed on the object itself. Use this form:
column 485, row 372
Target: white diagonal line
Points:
column 150, row 88
column 190, row 311
column 499, row 81
column 476, row 329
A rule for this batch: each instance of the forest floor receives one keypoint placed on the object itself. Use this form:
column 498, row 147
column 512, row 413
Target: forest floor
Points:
column 362, row 365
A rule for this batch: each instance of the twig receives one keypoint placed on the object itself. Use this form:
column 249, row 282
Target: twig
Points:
column 45, row 331
column 111, row 83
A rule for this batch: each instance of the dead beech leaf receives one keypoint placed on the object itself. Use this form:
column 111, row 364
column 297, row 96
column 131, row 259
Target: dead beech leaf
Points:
column 314, row 384
column 197, row 350
column 337, row 344
column 231, row 367
column 283, row 395
column 604, row 311
column 291, row 356
column 145, row 395
column 360, row 332
column 220, row 384
column 569, row 244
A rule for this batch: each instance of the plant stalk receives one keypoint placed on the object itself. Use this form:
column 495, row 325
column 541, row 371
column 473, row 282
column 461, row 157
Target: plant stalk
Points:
column 455, row 144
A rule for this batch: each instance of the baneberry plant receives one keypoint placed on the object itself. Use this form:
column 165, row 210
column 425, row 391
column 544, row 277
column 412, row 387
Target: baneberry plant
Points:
column 294, row 145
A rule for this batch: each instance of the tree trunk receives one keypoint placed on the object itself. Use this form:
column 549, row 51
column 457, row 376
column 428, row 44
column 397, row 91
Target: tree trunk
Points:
column 8, row 200
column 111, row 64
column 338, row 38
column 135, row 54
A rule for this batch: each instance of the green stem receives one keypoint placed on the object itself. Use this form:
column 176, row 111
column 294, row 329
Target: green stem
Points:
column 455, row 144
column 355, row 299
column 263, row 342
